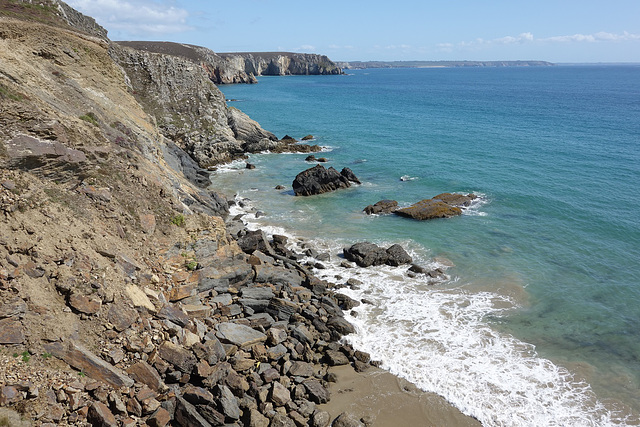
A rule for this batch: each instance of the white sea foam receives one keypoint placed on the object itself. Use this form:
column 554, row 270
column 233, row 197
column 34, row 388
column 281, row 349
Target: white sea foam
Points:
column 233, row 166
column 438, row 338
column 475, row 208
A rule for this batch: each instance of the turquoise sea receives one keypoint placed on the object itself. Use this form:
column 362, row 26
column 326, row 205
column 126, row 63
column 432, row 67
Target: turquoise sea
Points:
column 539, row 321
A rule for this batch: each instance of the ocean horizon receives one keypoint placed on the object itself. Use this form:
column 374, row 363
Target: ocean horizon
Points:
column 538, row 313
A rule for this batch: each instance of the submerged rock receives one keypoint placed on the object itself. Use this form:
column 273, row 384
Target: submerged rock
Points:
column 444, row 205
column 382, row 207
column 318, row 180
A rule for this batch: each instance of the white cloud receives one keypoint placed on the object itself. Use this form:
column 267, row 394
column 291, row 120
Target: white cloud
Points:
column 135, row 17
column 529, row 38
column 591, row 38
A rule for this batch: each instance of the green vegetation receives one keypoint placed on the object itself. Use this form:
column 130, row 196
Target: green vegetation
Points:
column 191, row 265
column 6, row 93
column 90, row 118
column 46, row 355
column 178, row 220
column 25, row 356
column 44, row 11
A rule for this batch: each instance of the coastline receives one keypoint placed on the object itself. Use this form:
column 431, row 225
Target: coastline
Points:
column 390, row 401
column 371, row 394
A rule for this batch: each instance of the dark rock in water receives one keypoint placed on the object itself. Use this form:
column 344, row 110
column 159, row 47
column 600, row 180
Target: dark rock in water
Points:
column 348, row 173
column 250, row 166
column 279, row 187
column 366, row 254
column 381, row 207
column 288, row 138
column 323, row 160
column 415, row 268
column 397, row 256
column 310, row 158
column 308, row 137
column 444, row 205
column 318, row 180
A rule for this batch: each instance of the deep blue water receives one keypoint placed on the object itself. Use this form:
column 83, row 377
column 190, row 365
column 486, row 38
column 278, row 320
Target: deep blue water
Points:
column 547, row 266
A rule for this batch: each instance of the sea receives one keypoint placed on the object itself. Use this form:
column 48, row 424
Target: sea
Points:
column 537, row 322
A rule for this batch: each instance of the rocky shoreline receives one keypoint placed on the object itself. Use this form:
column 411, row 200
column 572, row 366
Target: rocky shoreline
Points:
column 128, row 296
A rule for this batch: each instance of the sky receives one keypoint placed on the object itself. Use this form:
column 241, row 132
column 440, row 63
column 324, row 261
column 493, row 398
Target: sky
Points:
column 561, row 31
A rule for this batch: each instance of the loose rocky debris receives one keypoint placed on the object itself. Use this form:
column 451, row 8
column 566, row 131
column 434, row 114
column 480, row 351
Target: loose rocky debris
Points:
column 245, row 338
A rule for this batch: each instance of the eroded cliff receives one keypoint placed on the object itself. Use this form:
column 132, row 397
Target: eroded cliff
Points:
column 125, row 298
column 282, row 63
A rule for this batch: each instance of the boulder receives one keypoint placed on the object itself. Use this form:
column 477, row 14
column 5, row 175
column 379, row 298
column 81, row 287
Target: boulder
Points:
column 187, row 415
column 382, row 207
column 318, row 180
column 240, row 335
column 317, row 392
column 443, row 205
column 84, row 360
column 397, row 256
column 347, row 420
column 366, row 254
column 255, row 240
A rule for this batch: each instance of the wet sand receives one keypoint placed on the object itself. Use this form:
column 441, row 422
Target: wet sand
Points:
column 390, row 401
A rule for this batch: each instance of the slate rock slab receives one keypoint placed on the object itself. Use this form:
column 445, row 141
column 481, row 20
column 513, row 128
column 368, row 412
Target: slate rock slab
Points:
column 239, row 335
column 84, row 360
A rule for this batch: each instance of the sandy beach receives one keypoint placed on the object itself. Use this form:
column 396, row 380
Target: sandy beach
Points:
column 389, row 401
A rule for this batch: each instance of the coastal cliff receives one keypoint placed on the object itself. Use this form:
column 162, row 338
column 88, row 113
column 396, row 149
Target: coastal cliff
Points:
column 241, row 67
column 282, row 63
column 127, row 295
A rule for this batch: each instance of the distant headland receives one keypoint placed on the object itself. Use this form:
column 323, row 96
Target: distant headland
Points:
column 439, row 64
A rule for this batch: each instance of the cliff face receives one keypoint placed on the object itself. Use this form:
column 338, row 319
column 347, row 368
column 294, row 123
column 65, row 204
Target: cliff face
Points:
column 189, row 109
column 125, row 298
column 282, row 63
column 226, row 68
column 219, row 70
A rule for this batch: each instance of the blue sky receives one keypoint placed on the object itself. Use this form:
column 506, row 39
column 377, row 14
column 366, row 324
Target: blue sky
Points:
column 550, row 30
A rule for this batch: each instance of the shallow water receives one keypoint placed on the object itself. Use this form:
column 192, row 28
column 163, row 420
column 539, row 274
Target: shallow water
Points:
column 545, row 285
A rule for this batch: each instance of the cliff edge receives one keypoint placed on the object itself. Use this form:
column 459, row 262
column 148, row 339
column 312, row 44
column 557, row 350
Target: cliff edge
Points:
column 125, row 297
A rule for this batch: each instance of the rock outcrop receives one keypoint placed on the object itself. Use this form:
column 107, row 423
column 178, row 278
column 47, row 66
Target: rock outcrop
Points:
column 219, row 69
column 382, row 207
column 189, row 109
column 282, row 63
column 125, row 298
column 318, row 180
column 367, row 254
column 443, row 205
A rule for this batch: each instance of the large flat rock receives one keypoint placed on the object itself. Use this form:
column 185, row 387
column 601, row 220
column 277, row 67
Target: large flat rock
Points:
column 240, row 335
column 84, row 360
